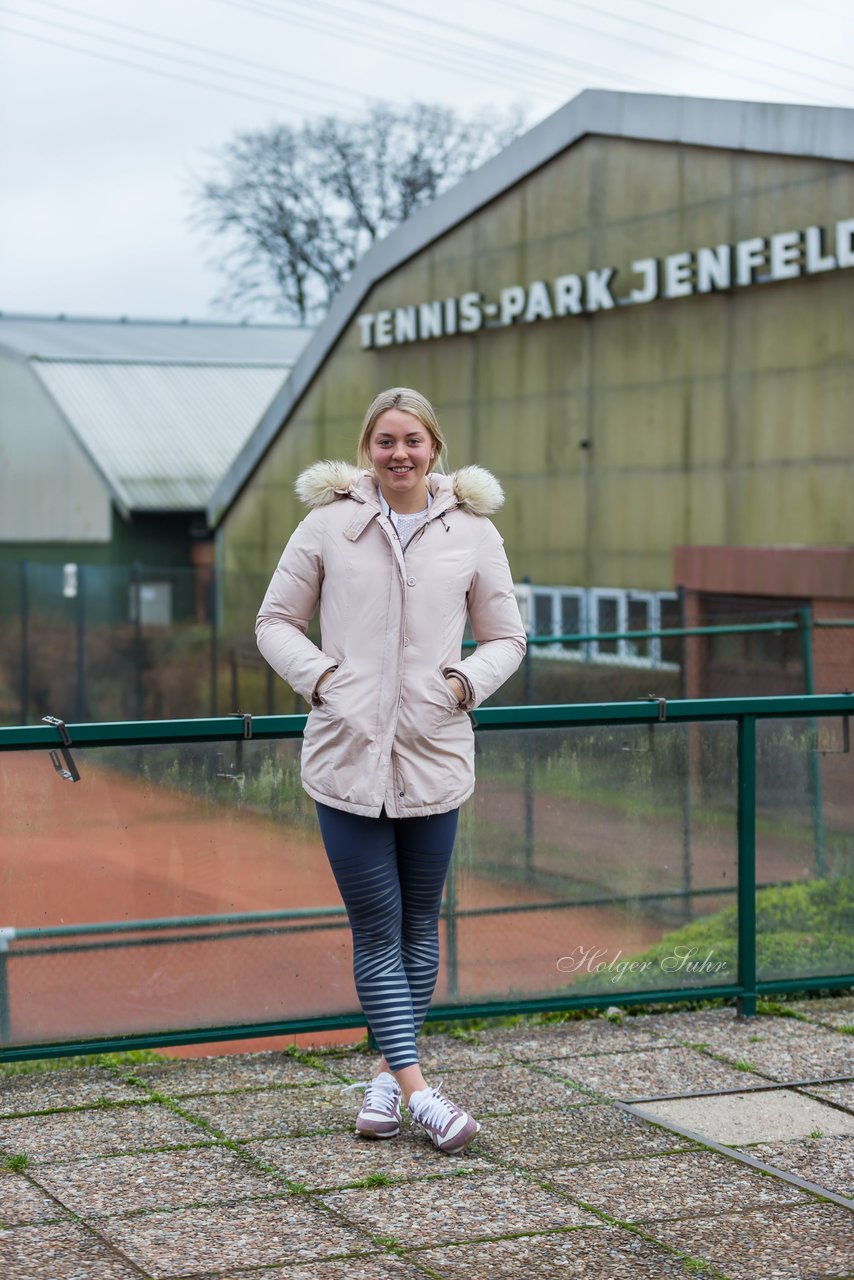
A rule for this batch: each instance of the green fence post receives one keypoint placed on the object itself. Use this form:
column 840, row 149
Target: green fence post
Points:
column 807, row 636
column 5, row 1015
column 451, row 922
column 528, row 748
column 25, row 641
column 136, row 585
column 215, row 641
column 80, row 713
column 746, row 766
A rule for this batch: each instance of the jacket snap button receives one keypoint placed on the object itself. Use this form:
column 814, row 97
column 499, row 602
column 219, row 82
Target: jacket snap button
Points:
column 411, row 582
column 400, row 793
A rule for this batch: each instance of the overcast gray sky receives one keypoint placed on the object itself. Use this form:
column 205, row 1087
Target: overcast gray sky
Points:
column 108, row 108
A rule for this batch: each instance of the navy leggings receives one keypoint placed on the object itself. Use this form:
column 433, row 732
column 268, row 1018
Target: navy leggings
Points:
column 390, row 872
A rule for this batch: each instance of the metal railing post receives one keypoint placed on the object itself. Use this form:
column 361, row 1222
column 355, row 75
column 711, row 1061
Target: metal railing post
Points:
column 80, row 695
column 451, row 922
column 6, row 936
column 746, row 790
column 25, row 641
column 528, row 752
column 136, row 582
column 807, row 637
column 215, row 640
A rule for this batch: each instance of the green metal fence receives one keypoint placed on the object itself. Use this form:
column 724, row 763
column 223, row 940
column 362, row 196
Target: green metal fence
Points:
column 637, row 819
column 135, row 642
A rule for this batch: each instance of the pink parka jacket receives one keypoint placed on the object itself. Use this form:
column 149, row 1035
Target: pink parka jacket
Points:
column 386, row 730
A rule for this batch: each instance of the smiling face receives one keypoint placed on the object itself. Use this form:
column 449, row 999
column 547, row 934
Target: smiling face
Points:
column 401, row 450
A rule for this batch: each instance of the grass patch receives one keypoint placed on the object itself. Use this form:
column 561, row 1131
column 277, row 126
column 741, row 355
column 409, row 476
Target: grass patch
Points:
column 17, row 1163
column 107, row 1061
column 800, row 928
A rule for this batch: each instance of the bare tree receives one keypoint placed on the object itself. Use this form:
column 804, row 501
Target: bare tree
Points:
column 297, row 208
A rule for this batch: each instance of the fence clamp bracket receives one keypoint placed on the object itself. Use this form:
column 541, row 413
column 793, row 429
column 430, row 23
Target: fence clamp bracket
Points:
column 845, row 749
column 247, row 722
column 62, row 760
column 662, row 704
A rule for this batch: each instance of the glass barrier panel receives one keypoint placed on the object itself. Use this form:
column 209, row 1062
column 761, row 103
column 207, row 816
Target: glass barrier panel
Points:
column 128, row 893
column 597, row 860
column 804, row 849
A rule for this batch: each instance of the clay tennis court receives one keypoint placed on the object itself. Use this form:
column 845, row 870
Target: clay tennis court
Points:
column 117, row 848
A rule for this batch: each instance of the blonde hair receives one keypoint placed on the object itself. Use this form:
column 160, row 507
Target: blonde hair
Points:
column 407, row 401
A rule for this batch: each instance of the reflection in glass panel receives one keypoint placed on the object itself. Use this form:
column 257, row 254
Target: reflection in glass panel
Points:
column 166, row 845
column 599, row 847
column 804, row 849
column 129, row 890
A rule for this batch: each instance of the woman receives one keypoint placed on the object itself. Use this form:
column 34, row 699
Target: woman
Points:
column 397, row 554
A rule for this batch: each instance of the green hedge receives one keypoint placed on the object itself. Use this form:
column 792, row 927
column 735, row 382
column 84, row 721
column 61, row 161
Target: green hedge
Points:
column 802, row 930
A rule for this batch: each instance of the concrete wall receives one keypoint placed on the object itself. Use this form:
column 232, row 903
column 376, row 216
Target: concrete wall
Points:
column 715, row 419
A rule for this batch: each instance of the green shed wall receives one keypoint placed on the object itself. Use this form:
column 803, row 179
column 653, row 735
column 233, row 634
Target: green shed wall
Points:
column 708, row 420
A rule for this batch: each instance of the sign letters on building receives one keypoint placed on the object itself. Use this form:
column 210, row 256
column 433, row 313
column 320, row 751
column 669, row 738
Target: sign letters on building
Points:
column 759, row 260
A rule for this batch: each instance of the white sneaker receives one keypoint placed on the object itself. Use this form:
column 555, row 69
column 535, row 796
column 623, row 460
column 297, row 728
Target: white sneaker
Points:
column 380, row 1113
column 447, row 1126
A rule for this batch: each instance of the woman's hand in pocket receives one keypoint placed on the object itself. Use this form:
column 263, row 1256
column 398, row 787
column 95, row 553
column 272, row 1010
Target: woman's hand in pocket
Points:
column 318, row 688
column 457, row 688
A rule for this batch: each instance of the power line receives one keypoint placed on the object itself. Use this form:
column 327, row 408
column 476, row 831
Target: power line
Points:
column 167, row 57
column 197, row 48
column 742, row 34
column 479, row 36
column 703, row 44
column 575, row 25
column 587, row 67
column 524, row 77
column 154, row 71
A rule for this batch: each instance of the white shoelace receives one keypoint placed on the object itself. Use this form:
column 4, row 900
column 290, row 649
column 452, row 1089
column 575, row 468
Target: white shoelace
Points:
column 379, row 1096
column 436, row 1110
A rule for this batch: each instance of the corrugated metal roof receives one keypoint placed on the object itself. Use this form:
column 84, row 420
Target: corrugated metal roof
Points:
column 162, row 435
column 73, row 338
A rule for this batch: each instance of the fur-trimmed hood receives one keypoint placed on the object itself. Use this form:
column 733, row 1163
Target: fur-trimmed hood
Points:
column 474, row 488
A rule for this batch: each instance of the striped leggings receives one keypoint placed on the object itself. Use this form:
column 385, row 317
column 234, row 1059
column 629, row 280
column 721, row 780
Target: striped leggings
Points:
column 390, row 873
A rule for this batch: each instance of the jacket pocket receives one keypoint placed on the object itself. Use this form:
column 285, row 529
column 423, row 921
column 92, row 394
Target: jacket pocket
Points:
column 330, row 685
column 448, row 694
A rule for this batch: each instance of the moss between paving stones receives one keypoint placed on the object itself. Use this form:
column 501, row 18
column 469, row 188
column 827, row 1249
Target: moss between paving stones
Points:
column 50, row 1091
column 72, row 1135
column 603, row 1253
column 828, row 1161
column 840, row 1094
column 361, row 1268
column 649, row 1072
column 275, row 1113
column 678, row 1185
column 168, row 1179
column 777, row 1048
column 181, row 1078
column 481, row 1206
column 57, row 1250
column 229, row 1237
column 337, row 1160
column 800, row 1242
column 579, row 1135
column 22, row 1203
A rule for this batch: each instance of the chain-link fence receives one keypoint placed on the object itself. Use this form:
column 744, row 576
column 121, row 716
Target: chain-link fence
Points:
column 133, row 642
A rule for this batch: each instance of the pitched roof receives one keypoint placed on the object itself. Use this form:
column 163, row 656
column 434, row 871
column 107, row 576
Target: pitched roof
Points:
column 173, row 340
column 161, row 409
column 773, row 128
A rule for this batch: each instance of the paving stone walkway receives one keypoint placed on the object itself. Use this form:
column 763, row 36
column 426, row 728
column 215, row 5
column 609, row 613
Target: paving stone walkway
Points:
column 663, row 1146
